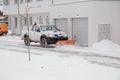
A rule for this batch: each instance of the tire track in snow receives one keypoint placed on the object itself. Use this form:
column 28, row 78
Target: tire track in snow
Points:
column 87, row 54
column 90, row 57
column 22, row 51
column 111, row 64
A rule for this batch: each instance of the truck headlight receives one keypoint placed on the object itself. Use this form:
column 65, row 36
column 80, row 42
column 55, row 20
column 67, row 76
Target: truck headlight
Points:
column 50, row 35
column 65, row 35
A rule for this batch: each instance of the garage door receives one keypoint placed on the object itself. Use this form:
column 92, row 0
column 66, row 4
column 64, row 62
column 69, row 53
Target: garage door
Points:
column 80, row 31
column 62, row 24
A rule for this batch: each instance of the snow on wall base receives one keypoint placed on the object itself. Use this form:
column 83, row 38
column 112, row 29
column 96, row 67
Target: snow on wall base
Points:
column 107, row 46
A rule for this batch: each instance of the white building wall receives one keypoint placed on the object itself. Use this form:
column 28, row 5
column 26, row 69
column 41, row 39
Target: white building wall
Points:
column 67, row 1
column 70, row 10
column 104, row 12
column 76, row 10
column 98, row 12
column 10, row 9
column 33, row 7
column 15, row 30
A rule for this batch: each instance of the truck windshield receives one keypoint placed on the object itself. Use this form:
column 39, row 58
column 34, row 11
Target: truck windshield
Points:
column 48, row 27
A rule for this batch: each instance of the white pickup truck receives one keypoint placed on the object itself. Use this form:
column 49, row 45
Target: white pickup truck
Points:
column 44, row 34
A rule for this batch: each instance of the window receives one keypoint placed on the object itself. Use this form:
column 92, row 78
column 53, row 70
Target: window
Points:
column 10, row 20
column 32, row 29
column 40, row 20
column 6, row 2
column 28, row 0
column 52, row 1
column 30, row 21
column 48, row 28
column 37, row 28
column 104, row 31
column 15, row 1
column 21, row 1
column 1, row 3
column 39, row 0
column 16, row 21
column 25, row 21
column 47, row 20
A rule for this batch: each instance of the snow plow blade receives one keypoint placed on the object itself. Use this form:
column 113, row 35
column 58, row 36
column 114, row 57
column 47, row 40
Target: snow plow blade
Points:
column 65, row 42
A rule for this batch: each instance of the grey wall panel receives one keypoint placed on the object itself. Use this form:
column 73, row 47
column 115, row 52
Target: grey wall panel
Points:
column 62, row 24
column 80, row 31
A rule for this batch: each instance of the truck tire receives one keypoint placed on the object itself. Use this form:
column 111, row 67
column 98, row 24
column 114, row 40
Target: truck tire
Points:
column 27, row 41
column 44, row 42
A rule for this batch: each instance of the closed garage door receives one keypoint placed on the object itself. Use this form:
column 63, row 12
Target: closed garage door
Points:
column 62, row 24
column 80, row 31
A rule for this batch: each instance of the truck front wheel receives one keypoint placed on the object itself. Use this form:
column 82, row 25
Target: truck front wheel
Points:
column 44, row 42
column 26, row 41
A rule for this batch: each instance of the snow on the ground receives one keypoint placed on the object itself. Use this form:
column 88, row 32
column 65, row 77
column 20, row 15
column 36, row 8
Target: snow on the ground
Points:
column 15, row 66
column 54, row 66
column 10, row 37
column 107, row 47
column 104, row 47
column 9, row 32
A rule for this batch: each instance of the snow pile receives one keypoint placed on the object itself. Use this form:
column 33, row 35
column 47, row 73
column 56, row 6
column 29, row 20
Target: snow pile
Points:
column 107, row 46
column 9, row 32
column 10, row 38
column 49, row 65
column 14, row 66
column 104, row 47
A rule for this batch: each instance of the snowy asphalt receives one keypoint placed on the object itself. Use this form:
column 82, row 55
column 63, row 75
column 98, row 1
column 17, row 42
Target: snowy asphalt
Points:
column 93, row 58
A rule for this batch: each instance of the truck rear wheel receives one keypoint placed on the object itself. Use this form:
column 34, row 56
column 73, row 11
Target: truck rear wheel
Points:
column 44, row 42
column 26, row 41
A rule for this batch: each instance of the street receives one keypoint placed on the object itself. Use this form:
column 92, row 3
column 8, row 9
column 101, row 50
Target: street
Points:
column 54, row 63
column 93, row 58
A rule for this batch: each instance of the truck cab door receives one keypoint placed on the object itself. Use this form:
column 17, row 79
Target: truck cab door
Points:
column 32, row 33
column 37, row 33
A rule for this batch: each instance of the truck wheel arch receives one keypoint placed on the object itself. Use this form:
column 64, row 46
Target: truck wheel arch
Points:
column 26, row 35
column 43, row 36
